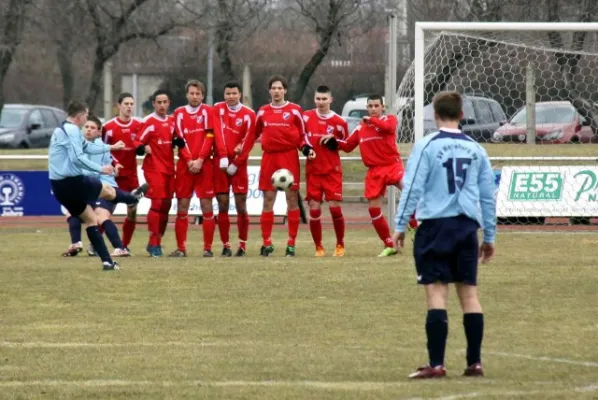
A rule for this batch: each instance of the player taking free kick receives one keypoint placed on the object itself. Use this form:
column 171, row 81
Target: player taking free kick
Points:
column 324, row 173
column 377, row 140
column 280, row 125
column 450, row 179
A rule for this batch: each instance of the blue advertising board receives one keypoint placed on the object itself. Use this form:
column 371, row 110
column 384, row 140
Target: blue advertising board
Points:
column 25, row 193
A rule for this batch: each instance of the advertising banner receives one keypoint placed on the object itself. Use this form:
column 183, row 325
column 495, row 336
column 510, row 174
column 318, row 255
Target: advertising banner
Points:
column 26, row 193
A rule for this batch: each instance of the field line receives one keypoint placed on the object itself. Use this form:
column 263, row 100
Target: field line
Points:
column 543, row 358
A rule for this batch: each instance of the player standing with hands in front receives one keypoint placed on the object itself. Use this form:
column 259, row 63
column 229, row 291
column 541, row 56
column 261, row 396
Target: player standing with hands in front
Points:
column 450, row 179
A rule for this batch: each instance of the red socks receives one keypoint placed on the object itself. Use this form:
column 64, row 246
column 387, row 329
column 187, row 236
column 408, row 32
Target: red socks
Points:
column 267, row 222
column 181, row 226
column 315, row 226
column 294, row 217
column 153, row 223
column 224, row 228
column 381, row 226
column 128, row 230
column 209, row 227
column 339, row 225
column 243, row 226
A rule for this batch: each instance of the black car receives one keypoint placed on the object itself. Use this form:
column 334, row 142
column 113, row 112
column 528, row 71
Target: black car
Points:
column 28, row 126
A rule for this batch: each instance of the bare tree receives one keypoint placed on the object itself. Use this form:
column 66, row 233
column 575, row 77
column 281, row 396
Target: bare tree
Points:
column 13, row 19
column 331, row 20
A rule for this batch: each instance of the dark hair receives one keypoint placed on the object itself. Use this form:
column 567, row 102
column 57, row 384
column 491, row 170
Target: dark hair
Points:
column 75, row 107
column 323, row 89
column 195, row 83
column 448, row 105
column 232, row 85
column 277, row 78
column 123, row 96
column 160, row 92
column 95, row 120
column 376, row 96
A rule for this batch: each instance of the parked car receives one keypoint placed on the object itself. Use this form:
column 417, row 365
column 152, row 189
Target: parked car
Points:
column 28, row 126
column 351, row 123
column 556, row 122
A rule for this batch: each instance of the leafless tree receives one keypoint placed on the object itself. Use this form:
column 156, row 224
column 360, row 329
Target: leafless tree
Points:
column 12, row 18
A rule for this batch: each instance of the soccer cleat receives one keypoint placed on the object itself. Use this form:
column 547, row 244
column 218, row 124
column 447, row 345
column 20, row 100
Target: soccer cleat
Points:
column 226, row 252
column 240, row 253
column 177, row 254
column 140, row 191
column 129, row 251
column 91, row 252
column 265, row 251
column 290, row 251
column 388, row 251
column 106, row 266
column 208, row 253
column 120, row 253
column 429, row 372
column 474, row 370
column 155, row 251
column 339, row 251
column 320, row 251
column 73, row 250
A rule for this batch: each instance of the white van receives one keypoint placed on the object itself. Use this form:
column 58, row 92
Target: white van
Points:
column 356, row 107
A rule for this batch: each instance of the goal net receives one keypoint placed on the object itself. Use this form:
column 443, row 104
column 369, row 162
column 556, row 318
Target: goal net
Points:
column 530, row 97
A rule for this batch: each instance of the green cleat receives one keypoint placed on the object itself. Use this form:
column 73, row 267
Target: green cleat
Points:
column 290, row 252
column 266, row 250
column 387, row 252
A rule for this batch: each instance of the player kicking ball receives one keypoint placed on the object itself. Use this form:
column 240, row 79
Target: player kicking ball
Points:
column 450, row 179
column 324, row 173
column 377, row 140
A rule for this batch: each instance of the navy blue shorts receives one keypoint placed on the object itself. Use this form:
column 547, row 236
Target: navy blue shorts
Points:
column 105, row 204
column 446, row 250
column 76, row 192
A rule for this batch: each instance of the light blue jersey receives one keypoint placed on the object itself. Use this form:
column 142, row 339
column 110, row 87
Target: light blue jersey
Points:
column 101, row 159
column 448, row 174
column 66, row 155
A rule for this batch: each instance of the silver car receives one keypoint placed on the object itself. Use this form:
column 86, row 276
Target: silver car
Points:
column 28, row 126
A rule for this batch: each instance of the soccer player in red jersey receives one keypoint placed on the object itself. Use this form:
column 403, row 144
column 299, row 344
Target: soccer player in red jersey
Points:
column 233, row 122
column 280, row 125
column 324, row 173
column 127, row 129
column 158, row 168
column 195, row 168
column 377, row 140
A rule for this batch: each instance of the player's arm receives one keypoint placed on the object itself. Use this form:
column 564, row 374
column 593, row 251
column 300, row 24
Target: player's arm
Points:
column 387, row 126
column 305, row 145
column 208, row 143
column 219, row 137
column 95, row 148
column 179, row 137
column 340, row 133
column 414, row 183
column 75, row 151
column 147, row 132
column 248, row 140
column 487, row 200
column 351, row 143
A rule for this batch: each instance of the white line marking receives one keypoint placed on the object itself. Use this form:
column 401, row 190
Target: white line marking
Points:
column 541, row 358
column 514, row 393
column 35, row 345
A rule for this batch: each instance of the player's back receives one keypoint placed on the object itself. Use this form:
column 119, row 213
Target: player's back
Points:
column 281, row 127
column 454, row 171
column 192, row 124
column 316, row 126
column 157, row 132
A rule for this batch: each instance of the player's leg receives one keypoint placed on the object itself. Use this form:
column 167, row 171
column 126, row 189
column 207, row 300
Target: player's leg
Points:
column 166, row 203
column 110, row 194
column 103, row 213
column 160, row 201
column 76, row 245
column 333, row 191
column 208, row 225
column 293, row 220
column 267, row 168
column 314, row 199
column 242, row 223
column 128, row 184
column 375, row 188
column 89, row 218
column 222, row 189
column 184, row 190
column 413, row 224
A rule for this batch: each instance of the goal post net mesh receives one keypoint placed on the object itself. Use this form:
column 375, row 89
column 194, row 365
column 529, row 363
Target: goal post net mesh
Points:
column 490, row 70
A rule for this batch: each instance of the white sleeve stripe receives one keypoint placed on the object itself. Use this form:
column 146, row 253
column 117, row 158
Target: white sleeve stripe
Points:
column 179, row 119
column 146, row 131
column 205, row 119
column 300, row 117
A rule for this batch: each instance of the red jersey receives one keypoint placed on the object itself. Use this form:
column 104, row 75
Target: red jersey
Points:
column 194, row 125
column 377, row 141
column 157, row 133
column 281, row 129
column 116, row 130
column 317, row 125
column 231, row 127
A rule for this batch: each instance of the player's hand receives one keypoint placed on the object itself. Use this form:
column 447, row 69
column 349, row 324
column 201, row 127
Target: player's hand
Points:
column 399, row 240
column 117, row 169
column 486, row 252
column 223, row 164
column 108, row 170
column 192, row 168
column 118, row 145
column 311, row 155
column 366, row 119
column 232, row 169
column 329, row 141
column 148, row 150
column 238, row 149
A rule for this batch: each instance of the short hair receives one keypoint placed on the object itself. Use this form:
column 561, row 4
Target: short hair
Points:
column 448, row 105
column 195, row 83
column 123, row 96
column 95, row 120
column 75, row 107
column 277, row 78
column 376, row 96
column 232, row 85
column 323, row 89
column 160, row 92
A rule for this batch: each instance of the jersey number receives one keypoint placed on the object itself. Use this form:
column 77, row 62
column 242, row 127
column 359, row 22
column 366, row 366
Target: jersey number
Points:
column 456, row 178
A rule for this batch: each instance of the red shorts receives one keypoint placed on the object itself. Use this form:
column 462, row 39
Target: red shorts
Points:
column 127, row 183
column 378, row 178
column 239, row 181
column 272, row 162
column 325, row 186
column 161, row 186
column 202, row 184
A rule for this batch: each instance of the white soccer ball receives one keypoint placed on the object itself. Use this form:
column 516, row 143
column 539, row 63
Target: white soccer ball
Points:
column 282, row 179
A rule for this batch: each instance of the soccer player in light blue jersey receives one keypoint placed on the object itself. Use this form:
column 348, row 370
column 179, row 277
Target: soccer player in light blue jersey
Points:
column 449, row 178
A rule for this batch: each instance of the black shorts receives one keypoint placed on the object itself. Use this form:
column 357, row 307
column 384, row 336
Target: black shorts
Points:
column 76, row 192
column 446, row 250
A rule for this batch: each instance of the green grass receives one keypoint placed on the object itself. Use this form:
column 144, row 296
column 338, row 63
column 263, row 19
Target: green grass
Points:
column 279, row 328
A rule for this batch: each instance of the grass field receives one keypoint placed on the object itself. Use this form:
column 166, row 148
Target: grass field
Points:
column 277, row 328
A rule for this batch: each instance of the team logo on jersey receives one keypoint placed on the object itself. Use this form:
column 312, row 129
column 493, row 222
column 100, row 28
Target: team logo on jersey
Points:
column 239, row 121
column 133, row 136
column 199, row 119
column 330, row 130
column 286, row 115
